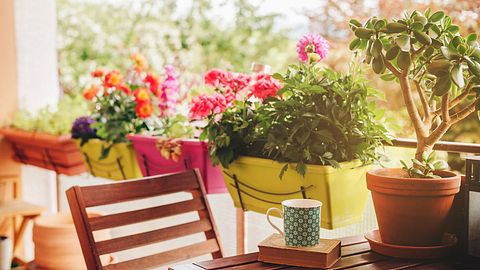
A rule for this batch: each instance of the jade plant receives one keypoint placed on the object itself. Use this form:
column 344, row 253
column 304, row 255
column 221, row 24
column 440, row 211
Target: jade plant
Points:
column 427, row 56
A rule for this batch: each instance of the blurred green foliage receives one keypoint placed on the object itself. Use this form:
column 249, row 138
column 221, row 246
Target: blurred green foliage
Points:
column 52, row 121
column 103, row 34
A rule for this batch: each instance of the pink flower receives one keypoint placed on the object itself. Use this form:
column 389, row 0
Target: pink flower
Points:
column 264, row 85
column 170, row 91
column 205, row 105
column 216, row 77
column 312, row 44
column 238, row 81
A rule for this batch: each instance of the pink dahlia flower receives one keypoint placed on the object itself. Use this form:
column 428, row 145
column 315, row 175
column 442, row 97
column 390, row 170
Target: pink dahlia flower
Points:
column 205, row 105
column 312, row 44
column 264, row 85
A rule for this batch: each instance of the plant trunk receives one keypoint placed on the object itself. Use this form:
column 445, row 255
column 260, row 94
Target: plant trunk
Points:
column 421, row 148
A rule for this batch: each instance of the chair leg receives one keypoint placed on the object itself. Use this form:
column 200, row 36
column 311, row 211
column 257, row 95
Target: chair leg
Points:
column 18, row 236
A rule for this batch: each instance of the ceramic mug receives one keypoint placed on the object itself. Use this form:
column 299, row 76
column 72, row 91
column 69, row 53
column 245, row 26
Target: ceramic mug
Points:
column 301, row 222
column 6, row 250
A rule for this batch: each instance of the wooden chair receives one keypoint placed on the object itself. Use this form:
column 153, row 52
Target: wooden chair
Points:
column 80, row 198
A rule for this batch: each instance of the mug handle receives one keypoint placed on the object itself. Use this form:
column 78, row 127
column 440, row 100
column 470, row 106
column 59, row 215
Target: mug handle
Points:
column 273, row 209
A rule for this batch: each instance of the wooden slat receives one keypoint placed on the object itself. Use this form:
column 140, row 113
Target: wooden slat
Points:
column 358, row 260
column 229, row 261
column 391, row 264
column 133, row 190
column 168, row 257
column 444, row 266
column 355, row 249
column 186, row 267
column 352, row 240
column 212, row 234
column 84, row 232
column 131, row 217
column 259, row 266
column 146, row 238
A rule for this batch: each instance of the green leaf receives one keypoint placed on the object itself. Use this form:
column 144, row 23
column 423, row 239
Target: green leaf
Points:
column 471, row 38
column 354, row 44
column 301, row 168
column 420, row 19
column 392, row 53
column 453, row 29
column 422, row 37
column 449, row 53
column 364, row 33
column 437, row 16
column 440, row 165
column 354, row 24
column 457, row 75
column 278, row 76
column 473, row 66
column 403, row 41
column 283, row 171
column 396, row 27
column 376, row 48
column 416, row 26
column 378, row 65
column 442, row 85
column 439, row 67
column 403, row 60
column 379, row 25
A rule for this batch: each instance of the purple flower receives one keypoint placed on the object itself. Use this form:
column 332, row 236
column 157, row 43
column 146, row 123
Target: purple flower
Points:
column 312, row 44
column 82, row 129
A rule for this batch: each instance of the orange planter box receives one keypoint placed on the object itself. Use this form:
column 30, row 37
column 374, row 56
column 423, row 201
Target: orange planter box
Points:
column 56, row 153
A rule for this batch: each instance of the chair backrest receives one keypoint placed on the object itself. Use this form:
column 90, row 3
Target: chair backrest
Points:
column 81, row 198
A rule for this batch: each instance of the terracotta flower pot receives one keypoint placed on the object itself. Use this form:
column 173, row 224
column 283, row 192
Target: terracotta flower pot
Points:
column 412, row 211
column 56, row 243
column 56, row 153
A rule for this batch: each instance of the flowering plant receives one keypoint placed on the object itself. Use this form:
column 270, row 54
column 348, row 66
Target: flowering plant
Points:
column 132, row 103
column 309, row 115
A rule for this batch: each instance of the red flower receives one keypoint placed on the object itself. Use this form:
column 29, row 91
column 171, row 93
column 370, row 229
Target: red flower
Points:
column 264, row 86
column 144, row 109
column 141, row 95
column 216, row 78
column 153, row 83
column 124, row 88
column 90, row 93
column 205, row 105
column 97, row 73
column 229, row 97
column 113, row 78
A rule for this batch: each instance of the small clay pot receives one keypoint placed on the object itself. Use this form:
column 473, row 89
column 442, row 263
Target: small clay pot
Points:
column 56, row 243
column 412, row 211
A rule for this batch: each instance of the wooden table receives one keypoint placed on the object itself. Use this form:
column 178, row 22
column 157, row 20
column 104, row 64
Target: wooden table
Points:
column 356, row 254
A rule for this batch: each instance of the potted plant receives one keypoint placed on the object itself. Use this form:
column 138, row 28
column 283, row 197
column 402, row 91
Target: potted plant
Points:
column 424, row 53
column 44, row 140
column 173, row 148
column 307, row 133
column 122, row 105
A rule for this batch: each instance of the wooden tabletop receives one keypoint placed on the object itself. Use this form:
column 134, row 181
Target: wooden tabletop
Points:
column 356, row 254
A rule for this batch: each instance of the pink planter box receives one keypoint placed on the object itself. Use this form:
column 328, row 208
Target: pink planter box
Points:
column 194, row 156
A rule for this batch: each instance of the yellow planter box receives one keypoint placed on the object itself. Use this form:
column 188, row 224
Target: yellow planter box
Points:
column 254, row 184
column 120, row 164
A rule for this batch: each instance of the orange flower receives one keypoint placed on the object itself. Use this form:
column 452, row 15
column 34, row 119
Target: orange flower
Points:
column 144, row 109
column 141, row 95
column 97, row 73
column 139, row 61
column 113, row 78
column 90, row 93
column 123, row 87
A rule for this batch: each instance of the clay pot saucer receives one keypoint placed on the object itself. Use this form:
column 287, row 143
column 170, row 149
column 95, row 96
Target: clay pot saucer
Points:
column 447, row 247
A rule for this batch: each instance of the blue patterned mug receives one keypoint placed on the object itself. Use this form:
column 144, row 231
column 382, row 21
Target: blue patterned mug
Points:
column 301, row 222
